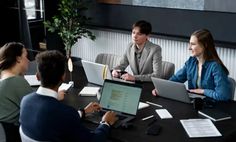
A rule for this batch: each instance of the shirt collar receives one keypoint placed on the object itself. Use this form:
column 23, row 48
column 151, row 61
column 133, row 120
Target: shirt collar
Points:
column 47, row 92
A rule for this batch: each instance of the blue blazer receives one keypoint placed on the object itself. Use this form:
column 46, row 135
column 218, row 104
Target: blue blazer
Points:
column 44, row 118
column 214, row 79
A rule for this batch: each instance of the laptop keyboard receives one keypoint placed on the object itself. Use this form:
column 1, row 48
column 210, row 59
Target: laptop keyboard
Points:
column 97, row 117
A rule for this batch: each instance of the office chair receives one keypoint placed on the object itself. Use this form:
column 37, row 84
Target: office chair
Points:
column 168, row 69
column 233, row 86
column 108, row 59
column 2, row 134
column 25, row 138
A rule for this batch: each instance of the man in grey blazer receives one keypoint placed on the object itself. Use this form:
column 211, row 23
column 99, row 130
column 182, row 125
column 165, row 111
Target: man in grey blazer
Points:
column 143, row 56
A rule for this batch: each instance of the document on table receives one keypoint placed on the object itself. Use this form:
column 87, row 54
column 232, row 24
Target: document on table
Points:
column 32, row 80
column 89, row 91
column 64, row 86
column 200, row 128
column 142, row 105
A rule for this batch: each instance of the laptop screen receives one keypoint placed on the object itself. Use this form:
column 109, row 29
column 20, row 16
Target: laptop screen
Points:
column 120, row 96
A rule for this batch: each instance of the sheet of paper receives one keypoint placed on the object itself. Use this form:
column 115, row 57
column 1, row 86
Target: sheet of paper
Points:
column 142, row 105
column 32, row 80
column 164, row 113
column 200, row 128
column 64, row 86
column 89, row 91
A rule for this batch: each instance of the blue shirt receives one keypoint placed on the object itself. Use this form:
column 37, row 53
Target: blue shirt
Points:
column 214, row 79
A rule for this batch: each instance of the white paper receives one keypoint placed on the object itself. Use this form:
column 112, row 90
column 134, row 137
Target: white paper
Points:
column 89, row 91
column 164, row 113
column 32, row 80
column 64, row 86
column 200, row 128
column 142, row 105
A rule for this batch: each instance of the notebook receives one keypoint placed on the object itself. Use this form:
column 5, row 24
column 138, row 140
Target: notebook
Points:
column 214, row 114
column 32, row 80
column 173, row 90
column 96, row 73
column 120, row 97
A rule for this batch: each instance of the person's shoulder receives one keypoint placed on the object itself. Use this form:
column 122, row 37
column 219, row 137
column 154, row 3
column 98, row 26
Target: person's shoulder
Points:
column 29, row 97
column 20, row 81
column 15, row 80
column 19, row 78
column 130, row 47
column 214, row 65
column 152, row 46
column 191, row 61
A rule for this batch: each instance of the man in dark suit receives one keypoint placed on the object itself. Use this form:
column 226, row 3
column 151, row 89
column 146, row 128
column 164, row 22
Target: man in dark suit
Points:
column 44, row 118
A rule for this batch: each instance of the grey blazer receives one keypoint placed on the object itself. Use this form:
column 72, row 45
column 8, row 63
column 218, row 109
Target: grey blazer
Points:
column 150, row 62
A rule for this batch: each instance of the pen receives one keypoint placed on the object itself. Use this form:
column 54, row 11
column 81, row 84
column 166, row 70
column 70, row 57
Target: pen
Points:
column 146, row 118
column 153, row 104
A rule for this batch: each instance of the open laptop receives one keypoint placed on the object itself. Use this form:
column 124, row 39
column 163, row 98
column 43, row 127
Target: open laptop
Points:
column 96, row 73
column 120, row 97
column 173, row 90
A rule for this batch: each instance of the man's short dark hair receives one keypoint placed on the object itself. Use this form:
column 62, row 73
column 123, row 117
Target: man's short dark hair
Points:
column 51, row 67
column 145, row 27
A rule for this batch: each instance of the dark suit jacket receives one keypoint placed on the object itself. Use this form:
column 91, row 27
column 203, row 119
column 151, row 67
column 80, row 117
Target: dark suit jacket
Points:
column 150, row 62
column 44, row 118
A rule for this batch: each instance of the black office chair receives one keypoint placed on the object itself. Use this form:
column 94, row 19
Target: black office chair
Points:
column 9, row 132
column 168, row 69
column 108, row 59
column 233, row 85
column 2, row 134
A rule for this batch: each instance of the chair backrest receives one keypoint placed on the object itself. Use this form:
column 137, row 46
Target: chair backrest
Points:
column 109, row 59
column 233, row 85
column 168, row 69
column 2, row 134
column 25, row 138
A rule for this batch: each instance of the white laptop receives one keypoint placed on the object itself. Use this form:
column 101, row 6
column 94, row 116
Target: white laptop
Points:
column 173, row 90
column 120, row 97
column 96, row 73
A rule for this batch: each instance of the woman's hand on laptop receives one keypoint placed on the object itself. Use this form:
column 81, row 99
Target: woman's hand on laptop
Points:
column 197, row 91
column 154, row 92
column 92, row 107
column 110, row 117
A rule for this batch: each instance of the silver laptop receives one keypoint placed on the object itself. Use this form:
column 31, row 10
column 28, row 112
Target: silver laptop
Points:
column 120, row 97
column 96, row 73
column 173, row 90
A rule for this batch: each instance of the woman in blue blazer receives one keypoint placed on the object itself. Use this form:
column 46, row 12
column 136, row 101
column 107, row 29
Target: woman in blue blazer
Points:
column 205, row 72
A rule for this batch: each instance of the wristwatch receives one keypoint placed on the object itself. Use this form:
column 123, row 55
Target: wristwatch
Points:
column 106, row 123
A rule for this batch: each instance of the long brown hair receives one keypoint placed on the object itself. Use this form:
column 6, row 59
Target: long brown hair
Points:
column 205, row 38
column 9, row 53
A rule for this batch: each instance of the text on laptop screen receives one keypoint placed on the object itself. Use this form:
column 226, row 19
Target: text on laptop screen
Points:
column 120, row 97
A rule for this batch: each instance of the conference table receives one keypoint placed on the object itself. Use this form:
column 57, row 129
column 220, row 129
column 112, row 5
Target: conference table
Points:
column 171, row 129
